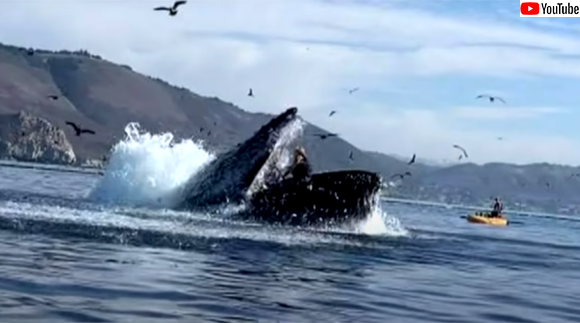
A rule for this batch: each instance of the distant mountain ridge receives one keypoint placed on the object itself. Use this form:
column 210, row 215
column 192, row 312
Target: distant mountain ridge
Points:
column 418, row 159
column 105, row 96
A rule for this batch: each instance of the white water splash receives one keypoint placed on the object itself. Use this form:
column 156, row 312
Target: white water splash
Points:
column 380, row 223
column 280, row 157
column 147, row 169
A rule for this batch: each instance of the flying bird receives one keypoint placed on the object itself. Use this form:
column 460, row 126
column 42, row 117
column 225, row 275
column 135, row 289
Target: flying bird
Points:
column 351, row 156
column 53, row 97
column 412, row 161
column 251, row 93
column 332, row 113
column 172, row 10
column 326, row 135
column 402, row 176
column 78, row 129
column 351, row 91
column 462, row 150
column 490, row 98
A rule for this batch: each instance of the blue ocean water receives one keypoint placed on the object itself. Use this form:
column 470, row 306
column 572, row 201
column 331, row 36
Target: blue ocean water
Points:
column 64, row 258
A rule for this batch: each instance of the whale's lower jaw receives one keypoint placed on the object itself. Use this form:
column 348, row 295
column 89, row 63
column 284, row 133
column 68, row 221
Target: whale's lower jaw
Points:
column 328, row 198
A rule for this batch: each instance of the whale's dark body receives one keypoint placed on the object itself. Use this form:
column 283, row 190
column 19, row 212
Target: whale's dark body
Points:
column 333, row 197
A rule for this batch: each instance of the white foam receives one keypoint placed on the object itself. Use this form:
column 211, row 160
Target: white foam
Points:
column 145, row 169
column 380, row 223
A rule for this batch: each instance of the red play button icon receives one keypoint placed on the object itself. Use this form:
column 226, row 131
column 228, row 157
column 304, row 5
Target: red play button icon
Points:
column 530, row 8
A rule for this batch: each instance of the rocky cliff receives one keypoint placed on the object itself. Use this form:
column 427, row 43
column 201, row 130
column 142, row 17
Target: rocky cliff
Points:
column 26, row 137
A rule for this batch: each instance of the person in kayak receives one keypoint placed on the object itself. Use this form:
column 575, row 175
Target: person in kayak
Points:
column 301, row 169
column 497, row 208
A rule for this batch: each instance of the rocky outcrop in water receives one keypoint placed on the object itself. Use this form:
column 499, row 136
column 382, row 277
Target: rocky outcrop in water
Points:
column 25, row 137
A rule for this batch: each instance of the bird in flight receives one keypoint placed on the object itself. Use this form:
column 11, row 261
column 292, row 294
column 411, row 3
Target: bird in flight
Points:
column 490, row 98
column 351, row 91
column 251, row 93
column 53, row 97
column 332, row 113
column 412, row 161
column 351, row 156
column 402, row 176
column 78, row 129
column 326, row 135
column 462, row 150
column 172, row 10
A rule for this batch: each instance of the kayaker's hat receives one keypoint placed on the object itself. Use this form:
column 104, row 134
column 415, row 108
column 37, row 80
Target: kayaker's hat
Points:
column 300, row 152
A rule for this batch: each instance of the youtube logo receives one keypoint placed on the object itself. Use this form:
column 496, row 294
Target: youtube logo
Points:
column 530, row 8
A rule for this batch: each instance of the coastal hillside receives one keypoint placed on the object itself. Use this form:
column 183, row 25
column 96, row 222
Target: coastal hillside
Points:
column 104, row 96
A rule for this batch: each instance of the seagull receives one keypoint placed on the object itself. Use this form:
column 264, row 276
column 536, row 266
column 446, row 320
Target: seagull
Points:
column 326, row 135
column 78, row 129
column 412, row 161
column 462, row 150
column 351, row 91
column 402, row 176
column 251, row 93
column 491, row 98
column 332, row 113
column 172, row 10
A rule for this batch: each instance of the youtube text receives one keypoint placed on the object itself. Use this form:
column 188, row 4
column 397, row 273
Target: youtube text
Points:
column 560, row 9
column 550, row 8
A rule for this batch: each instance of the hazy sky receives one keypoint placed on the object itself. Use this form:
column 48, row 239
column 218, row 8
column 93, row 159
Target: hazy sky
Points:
column 419, row 65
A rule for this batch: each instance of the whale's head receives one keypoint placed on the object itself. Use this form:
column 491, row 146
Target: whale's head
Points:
column 230, row 175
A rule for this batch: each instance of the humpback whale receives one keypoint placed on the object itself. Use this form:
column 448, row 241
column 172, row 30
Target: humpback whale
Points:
column 250, row 174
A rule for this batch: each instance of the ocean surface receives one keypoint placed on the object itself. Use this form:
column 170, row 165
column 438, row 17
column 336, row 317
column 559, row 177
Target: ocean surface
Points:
column 81, row 247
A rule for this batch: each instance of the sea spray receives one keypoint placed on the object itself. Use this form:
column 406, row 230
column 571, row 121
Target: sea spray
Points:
column 280, row 157
column 381, row 223
column 145, row 169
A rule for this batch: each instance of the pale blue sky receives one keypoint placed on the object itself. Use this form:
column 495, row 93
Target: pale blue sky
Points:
column 419, row 65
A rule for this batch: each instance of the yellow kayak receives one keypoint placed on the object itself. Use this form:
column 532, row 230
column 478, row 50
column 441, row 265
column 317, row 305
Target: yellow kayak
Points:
column 486, row 219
